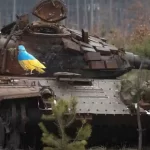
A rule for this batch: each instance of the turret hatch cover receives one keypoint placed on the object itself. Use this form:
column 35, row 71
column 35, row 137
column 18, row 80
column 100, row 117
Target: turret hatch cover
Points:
column 50, row 11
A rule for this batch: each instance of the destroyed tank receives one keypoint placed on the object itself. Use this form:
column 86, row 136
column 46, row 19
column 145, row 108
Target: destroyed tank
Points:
column 77, row 64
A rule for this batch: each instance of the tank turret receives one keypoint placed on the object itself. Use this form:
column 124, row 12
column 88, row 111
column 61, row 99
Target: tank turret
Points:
column 62, row 49
column 65, row 50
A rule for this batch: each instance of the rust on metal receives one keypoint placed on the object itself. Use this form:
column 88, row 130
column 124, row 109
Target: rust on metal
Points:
column 11, row 88
column 24, row 21
column 85, row 44
column 12, row 66
column 106, row 58
column 87, row 49
column 85, row 36
column 97, row 64
column 92, row 56
column 50, row 11
column 92, row 99
column 94, row 44
column 48, row 35
column 60, row 35
column 111, row 64
column 70, row 45
column 66, row 74
column 103, row 50
column 70, row 49
column 4, row 50
column 17, row 92
column 113, row 49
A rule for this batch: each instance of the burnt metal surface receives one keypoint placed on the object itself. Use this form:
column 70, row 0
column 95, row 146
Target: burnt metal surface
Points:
column 4, row 49
column 7, row 92
column 97, row 64
column 111, row 64
column 11, row 89
column 94, row 96
column 101, row 97
column 62, row 49
column 92, row 56
column 18, row 92
column 50, row 11
column 66, row 50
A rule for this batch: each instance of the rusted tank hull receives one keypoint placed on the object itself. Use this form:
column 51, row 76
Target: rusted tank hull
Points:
column 20, row 98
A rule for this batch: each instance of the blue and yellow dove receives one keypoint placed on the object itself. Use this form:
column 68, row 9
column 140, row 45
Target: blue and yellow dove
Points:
column 29, row 62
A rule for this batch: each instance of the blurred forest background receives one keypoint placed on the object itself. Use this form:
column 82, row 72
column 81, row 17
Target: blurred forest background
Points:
column 91, row 14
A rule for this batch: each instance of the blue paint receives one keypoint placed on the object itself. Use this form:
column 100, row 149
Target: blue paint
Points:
column 23, row 54
column 21, row 48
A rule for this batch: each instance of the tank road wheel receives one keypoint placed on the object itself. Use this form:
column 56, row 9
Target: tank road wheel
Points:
column 2, row 134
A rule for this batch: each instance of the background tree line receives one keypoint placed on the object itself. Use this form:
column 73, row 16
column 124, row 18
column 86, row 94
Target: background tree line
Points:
column 94, row 15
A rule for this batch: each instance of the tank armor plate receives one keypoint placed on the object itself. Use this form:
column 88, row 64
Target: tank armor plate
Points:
column 99, row 97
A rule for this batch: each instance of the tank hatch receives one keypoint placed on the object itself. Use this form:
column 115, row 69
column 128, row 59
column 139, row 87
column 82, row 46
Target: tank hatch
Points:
column 50, row 11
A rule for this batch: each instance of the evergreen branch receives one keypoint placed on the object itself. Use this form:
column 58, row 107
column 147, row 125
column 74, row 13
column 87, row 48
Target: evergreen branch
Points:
column 84, row 132
column 48, row 117
column 51, row 140
column 73, row 114
column 76, row 138
column 70, row 120
column 61, row 128
column 43, row 128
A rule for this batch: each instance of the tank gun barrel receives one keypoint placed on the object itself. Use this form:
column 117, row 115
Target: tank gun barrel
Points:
column 135, row 60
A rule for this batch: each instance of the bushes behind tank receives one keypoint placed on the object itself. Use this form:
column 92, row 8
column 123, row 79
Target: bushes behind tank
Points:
column 135, row 85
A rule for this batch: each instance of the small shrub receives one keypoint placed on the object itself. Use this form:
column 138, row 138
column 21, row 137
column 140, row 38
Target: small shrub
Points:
column 64, row 113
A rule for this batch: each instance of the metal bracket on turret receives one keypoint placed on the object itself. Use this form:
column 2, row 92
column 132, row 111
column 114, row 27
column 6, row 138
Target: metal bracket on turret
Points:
column 77, row 81
column 72, row 78
column 59, row 75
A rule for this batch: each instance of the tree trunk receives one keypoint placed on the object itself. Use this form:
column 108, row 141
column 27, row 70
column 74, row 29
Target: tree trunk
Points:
column 138, row 112
column 139, row 127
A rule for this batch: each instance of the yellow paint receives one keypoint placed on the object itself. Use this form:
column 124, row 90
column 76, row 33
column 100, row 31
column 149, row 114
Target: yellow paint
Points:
column 32, row 65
